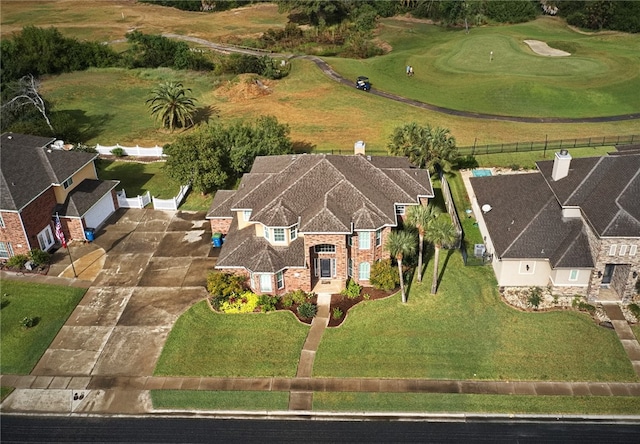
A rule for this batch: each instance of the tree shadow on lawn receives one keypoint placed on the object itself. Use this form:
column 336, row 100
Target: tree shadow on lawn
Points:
column 86, row 127
column 131, row 175
column 204, row 113
column 444, row 266
column 301, row 146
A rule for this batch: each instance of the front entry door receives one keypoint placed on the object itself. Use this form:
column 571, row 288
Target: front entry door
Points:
column 608, row 273
column 325, row 268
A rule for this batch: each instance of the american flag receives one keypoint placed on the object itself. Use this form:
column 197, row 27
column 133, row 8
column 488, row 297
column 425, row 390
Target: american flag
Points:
column 60, row 233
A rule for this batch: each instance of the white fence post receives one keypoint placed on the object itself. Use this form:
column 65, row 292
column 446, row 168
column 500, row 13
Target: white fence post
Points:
column 137, row 151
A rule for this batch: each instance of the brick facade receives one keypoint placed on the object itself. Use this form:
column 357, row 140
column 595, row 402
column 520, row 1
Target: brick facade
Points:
column 37, row 215
column 220, row 225
column 13, row 233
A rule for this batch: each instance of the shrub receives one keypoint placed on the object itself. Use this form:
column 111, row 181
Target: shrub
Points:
column 222, row 286
column 17, row 261
column 535, row 297
column 384, row 275
column 352, row 290
column 118, row 152
column 242, row 303
column 469, row 161
column 635, row 310
column 39, row 257
column 29, row 321
column 336, row 313
column 307, row 310
column 287, row 300
column 267, row 302
column 583, row 306
column 514, row 167
column 366, row 296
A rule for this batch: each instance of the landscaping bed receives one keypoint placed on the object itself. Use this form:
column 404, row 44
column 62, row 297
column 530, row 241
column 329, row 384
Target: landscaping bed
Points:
column 344, row 304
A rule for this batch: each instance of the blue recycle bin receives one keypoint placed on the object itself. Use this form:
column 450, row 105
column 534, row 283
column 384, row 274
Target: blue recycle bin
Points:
column 89, row 234
column 216, row 239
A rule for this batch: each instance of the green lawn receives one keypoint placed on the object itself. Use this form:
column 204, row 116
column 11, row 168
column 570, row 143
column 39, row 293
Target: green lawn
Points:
column 21, row 348
column 467, row 332
column 138, row 178
column 4, row 392
column 452, row 69
column 231, row 400
column 528, row 159
column 514, row 404
column 204, row 343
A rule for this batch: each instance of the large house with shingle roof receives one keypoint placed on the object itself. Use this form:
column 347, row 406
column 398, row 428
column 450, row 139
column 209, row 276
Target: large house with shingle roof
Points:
column 296, row 221
column 39, row 180
column 574, row 225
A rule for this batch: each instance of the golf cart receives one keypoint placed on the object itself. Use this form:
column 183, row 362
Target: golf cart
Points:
column 363, row 83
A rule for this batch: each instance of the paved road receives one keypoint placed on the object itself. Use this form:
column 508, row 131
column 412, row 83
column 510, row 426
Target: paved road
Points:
column 17, row 429
column 324, row 66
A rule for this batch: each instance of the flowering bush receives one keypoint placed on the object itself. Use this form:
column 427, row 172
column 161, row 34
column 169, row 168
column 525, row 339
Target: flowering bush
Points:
column 243, row 303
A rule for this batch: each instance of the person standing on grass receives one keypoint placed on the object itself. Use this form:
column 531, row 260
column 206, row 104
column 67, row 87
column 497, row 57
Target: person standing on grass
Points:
column 411, row 71
column 408, row 70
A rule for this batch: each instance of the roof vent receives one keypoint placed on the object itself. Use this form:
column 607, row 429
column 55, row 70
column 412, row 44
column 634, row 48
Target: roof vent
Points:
column 9, row 137
column 486, row 208
column 57, row 145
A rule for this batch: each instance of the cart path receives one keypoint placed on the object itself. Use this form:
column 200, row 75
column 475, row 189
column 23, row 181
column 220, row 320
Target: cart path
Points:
column 329, row 72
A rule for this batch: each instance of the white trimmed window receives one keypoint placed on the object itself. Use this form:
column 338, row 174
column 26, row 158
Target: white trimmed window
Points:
column 378, row 237
column 278, row 235
column 1, row 221
column 633, row 250
column 350, row 240
column 246, row 215
column 364, row 271
column 5, row 250
column 265, row 283
column 67, row 183
column 623, row 250
column 325, row 248
column 573, row 275
column 612, row 250
column 267, row 233
column 400, row 210
column 350, row 267
column 293, row 232
column 364, row 240
column 280, row 280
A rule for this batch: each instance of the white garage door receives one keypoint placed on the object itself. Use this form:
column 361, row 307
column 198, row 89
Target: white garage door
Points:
column 99, row 212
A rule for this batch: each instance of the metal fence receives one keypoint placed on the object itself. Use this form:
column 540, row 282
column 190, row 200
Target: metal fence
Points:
column 451, row 208
column 553, row 145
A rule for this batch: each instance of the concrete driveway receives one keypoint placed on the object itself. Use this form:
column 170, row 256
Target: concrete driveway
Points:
column 154, row 267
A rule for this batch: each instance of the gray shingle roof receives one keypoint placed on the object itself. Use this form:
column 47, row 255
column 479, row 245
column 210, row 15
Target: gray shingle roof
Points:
column 221, row 205
column 606, row 189
column 84, row 196
column 330, row 192
column 29, row 167
column 526, row 221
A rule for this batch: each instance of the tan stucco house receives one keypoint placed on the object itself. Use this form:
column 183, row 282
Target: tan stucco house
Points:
column 574, row 225
column 297, row 221
column 39, row 180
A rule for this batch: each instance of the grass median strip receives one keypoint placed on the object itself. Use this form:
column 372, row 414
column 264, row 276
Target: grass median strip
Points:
column 512, row 404
column 48, row 305
column 223, row 400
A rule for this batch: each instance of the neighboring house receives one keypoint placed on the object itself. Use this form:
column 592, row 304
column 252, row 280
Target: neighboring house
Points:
column 39, row 180
column 573, row 225
column 299, row 220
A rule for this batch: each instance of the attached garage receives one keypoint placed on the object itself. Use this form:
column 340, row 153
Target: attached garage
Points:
column 97, row 214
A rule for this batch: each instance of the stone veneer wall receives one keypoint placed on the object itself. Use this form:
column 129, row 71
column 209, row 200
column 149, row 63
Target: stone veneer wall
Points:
column 622, row 280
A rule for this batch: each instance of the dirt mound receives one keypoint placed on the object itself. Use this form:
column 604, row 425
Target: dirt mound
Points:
column 245, row 87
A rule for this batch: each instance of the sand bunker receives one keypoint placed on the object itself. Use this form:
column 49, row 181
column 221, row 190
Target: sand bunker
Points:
column 543, row 49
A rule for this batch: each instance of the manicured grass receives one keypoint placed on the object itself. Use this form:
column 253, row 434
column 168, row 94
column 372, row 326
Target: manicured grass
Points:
column 636, row 331
column 528, row 159
column 138, row 178
column 453, row 69
column 21, row 348
column 204, row 343
column 472, row 233
column 513, row 404
column 5, row 391
column 231, row 400
column 467, row 332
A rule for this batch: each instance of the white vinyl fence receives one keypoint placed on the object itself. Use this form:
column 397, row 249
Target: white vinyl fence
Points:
column 173, row 203
column 137, row 151
column 133, row 202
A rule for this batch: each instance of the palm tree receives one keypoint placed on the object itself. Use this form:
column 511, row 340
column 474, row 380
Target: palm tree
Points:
column 425, row 146
column 400, row 244
column 441, row 232
column 422, row 217
column 172, row 104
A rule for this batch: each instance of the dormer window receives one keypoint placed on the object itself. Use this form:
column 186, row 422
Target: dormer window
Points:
column 293, row 232
column 67, row 183
column 267, row 233
column 400, row 210
column 278, row 235
column 246, row 215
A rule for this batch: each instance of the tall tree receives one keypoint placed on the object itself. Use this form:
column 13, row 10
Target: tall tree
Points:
column 172, row 104
column 425, row 146
column 440, row 233
column 401, row 244
column 422, row 217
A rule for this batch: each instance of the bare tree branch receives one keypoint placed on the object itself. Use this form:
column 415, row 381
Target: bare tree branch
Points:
column 28, row 92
